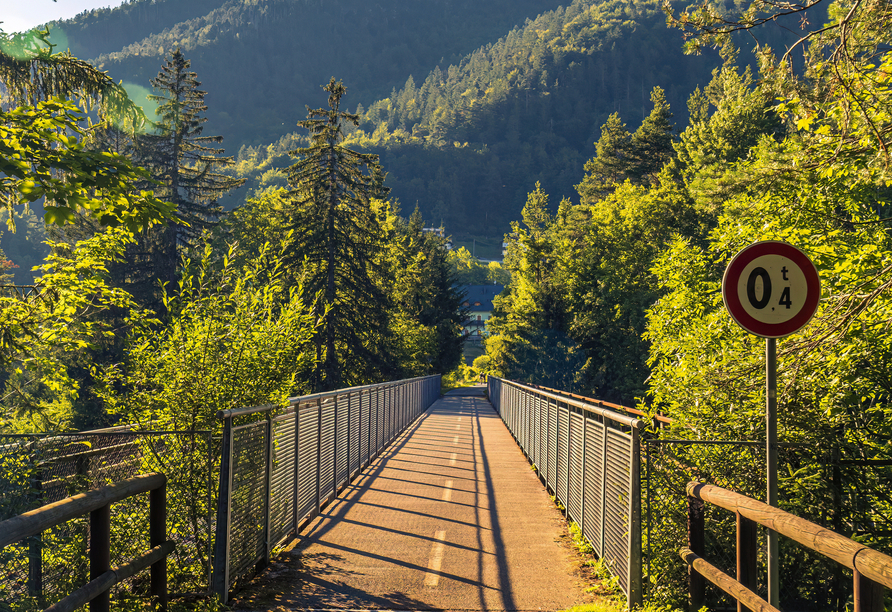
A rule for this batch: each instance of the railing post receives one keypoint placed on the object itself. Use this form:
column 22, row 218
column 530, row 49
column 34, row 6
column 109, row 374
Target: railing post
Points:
column 157, row 537
column 636, row 586
column 582, row 476
column 369, row 428
column 100, row 553
column 569, row 465
column 224, row 516
column 35, row 544
column 868, row 594
column 334, row 468
column 697, row 544
column 349, row 437
column 319, row 456
column 267, row 501
column 296, row 482
column 602, row 549
column 747, row 553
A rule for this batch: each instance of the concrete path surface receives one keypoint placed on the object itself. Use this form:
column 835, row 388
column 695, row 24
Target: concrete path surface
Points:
column 450, row 517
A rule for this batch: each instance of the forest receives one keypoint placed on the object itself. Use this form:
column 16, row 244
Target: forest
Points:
column 619, row 296
column 467, row 104
column 152, row 305
column 623, row 161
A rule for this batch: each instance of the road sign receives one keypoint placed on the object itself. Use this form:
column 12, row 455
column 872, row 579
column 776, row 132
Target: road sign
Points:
column 771, row 289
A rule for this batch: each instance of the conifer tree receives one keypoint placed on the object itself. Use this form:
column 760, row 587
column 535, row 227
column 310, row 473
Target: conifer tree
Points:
column 337, row 235
column 188, row 167
column 652, row 142
column 612, row 162
column 427, row 297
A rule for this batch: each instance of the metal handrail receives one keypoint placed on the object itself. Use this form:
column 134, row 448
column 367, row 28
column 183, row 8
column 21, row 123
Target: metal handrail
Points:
column 589, row 458
column 236, row 412
column 98, row 504
column 288, row 457
column 585, row 406
column 664, row 420
column 872, row 569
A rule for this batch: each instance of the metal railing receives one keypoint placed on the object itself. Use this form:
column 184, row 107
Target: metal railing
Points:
column 872, row 570
column 282, row 466
column 588, row 457
column 97, row 503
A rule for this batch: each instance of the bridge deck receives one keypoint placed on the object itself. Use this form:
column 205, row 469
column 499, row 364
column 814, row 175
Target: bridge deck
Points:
column 450, row 517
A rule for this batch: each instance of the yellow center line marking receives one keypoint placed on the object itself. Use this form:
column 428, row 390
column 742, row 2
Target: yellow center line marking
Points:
column 447, row 492
column 455, row 440
column 432, row 578
column 452, row 459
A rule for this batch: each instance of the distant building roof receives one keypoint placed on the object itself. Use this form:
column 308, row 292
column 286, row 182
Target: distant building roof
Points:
column 482, row 295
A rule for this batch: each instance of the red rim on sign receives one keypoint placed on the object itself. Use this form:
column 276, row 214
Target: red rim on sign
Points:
column 771, row 289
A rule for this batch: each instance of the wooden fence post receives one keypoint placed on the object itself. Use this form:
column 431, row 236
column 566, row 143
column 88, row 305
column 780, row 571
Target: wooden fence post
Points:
column 697, row 544
column 100, row 553
column 868, row 594
column 747, row 552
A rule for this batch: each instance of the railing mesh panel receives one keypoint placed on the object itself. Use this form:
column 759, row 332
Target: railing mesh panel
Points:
column 599, row 487
column 308, row 459
column 594, row 485
column 327, row 456
column 282, row 484
column 343, row 442
column 574, row 501
column 334, row 430
column 563, row 455
column 248, row 494
column 616, row 511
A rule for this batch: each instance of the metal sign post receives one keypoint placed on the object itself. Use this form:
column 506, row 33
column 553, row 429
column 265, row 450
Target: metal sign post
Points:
column 771, row 289
column 771, row 465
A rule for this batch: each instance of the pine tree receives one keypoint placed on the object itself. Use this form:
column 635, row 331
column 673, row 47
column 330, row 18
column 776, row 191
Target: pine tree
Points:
column 188, row 168
column 427, row 298
column 612, row 162
column 337, row 235
column 652, row 142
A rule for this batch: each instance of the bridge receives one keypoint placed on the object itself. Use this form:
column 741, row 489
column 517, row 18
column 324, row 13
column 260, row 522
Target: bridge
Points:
column 392, row 497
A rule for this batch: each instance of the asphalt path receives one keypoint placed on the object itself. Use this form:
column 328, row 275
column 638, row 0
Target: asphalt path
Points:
column 449, row 517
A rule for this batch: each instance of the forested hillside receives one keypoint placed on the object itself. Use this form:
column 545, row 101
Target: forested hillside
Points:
column 468, row 104
column 470, row 139
column 263, row 62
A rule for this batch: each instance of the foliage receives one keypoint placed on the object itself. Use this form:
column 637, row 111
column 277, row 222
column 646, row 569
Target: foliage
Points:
column 31, row 73
column 428, row 311
column 37, row 142
column 180, row 155
column 268, row 54
column 44, row 332
column 237, row 336
column 469, row 270
column 470, row 138
column 529, row 322
column 187, row 174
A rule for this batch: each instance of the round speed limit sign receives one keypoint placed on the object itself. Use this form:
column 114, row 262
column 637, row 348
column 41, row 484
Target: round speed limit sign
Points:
column 771, row 289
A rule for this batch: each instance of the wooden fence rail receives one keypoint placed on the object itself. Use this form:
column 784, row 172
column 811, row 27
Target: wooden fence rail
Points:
column 98, row 504
column 872, row 569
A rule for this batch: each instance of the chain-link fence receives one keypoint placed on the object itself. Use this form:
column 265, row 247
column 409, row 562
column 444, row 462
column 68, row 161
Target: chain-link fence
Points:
column 36, row 470
column 847, row 495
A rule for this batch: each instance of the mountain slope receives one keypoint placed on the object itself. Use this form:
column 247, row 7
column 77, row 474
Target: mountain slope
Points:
column 472, row 139
column 262, row 61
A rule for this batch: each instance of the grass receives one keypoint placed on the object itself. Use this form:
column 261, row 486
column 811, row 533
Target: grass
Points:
column 604, row 605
